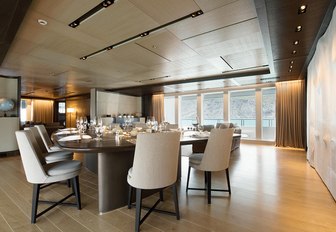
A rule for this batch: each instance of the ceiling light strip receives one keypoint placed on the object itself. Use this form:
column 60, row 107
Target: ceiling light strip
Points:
column 104, row 4
column 143, row 34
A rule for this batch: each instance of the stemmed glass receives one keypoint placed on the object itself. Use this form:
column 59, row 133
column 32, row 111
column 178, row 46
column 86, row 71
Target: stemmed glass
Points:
column 98, row 127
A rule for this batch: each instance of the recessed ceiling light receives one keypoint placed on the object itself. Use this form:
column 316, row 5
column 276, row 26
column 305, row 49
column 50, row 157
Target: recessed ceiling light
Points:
column 42, row 22
column 291, row 66
column 296, row 42
column 291, row 62
column 302, row 9
column 294, row 52
column 298, row 28
column 289, row 70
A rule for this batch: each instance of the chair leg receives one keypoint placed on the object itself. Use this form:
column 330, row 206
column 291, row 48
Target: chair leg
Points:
column 177, row 210
column 228, row 180
column 138, row 210
column 76, row 191
column 188, row 179
column 161, row 195
column 35, row 199
column 69, row 183
column 209, row 186
column 129, row 200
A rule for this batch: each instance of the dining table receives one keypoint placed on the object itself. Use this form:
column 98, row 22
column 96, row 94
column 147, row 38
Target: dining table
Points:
column 110, row 157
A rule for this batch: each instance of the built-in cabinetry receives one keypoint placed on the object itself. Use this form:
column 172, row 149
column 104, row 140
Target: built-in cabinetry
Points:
column 9, row 116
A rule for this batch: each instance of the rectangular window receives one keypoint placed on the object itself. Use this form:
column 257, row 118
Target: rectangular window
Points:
column 243, row 111
column 268, row 114
column 188, row 110
column 213, row 108
column 169, row 109
column 61, row 107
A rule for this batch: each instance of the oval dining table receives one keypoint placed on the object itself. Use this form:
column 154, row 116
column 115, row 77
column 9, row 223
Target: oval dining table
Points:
column 110, row 158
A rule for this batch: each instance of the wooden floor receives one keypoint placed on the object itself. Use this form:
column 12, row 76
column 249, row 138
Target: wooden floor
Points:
column 272, row 190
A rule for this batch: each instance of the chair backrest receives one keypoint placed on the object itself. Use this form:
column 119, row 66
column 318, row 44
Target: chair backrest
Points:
column 155, row 160
column 38, row 138
column 217, row 151
column 44, row 135
column 31, row 157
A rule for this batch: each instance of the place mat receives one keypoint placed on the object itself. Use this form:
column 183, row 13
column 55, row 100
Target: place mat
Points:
column 204, row 134
column 74, row 137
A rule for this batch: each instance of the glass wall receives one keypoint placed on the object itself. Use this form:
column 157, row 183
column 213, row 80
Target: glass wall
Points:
column 243, row 111
column 268, row 114
column 213, row 110
column 169, row 109
column 188, row 110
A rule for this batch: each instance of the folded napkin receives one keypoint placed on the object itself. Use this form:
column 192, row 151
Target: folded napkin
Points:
column 66, row 132
column 204, row 134
column 74, row 137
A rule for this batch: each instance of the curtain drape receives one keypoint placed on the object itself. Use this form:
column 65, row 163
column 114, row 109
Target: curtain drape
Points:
column 290, row 114
column 43, row 111
column 158, row 107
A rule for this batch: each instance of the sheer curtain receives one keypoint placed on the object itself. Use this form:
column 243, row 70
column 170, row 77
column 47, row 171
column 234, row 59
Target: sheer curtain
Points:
column 158, row 107
column 43, row 111
column 290, row 114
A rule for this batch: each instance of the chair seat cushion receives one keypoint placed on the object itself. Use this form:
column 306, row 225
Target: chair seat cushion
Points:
column 195, row 158
column 62, row 167
column 58, row 156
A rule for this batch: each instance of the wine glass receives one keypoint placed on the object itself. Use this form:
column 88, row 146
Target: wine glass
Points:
column 99, row 132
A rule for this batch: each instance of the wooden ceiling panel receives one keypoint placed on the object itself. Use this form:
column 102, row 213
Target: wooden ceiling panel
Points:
column 219, row 64
column 64, row 11
column 163, row 11
column 247, row 59
column 238, row 45
column 118, row 22
column 137, row 54
column 166, row 45
column 233, row 13
column 230, row 32
column 209, row 5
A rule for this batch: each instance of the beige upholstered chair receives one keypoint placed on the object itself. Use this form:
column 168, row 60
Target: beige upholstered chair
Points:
column 46, row 139
column 41, row 174
column 215, row 158
column 154, row 167
column 50, row 157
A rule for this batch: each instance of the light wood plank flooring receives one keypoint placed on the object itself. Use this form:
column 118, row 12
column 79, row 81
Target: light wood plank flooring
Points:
column 273, row 189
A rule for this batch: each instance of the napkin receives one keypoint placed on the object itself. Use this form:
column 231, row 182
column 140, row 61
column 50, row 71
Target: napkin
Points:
column 74, row 137
column 204, row 134
column 66, row 132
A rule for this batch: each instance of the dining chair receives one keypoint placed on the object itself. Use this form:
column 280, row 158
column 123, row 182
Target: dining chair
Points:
column 215, row 158
column 53, row 156
column 155, row 166
column 42, row 174
column 46, row 139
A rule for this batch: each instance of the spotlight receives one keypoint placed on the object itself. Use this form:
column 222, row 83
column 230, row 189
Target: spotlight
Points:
column 298, row 28
column 296, row 42
column 302, row 9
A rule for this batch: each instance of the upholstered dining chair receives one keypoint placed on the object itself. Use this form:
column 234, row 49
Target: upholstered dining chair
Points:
column 215, row 158
column 53, row 156
column 41, row 174
column 46, row 139
column 154, row 167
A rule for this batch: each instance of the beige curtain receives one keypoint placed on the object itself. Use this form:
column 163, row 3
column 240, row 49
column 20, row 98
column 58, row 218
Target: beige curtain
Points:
column 43, row 111
column 290, row 114
column 158, row 107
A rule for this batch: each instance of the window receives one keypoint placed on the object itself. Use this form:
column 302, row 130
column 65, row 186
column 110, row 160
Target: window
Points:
column 268, row 114
column 213, row 108
column 169, row 110
column 188, row 110
column 61, row 107
column 243, row 111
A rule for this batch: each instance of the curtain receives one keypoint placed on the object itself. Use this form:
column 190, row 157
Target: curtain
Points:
column 158, row 107
column 290, row 114
column 43, row 111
